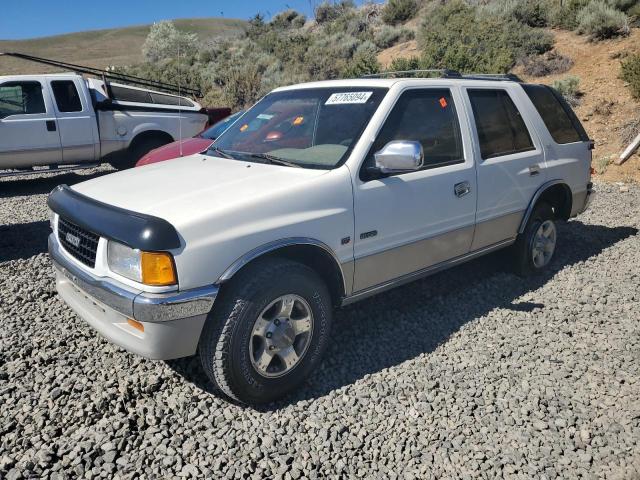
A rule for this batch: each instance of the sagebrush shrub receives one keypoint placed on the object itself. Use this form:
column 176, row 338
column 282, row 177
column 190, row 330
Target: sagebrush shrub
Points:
column 165, row 41
column 288, row 19
column 387, row 36
column 547, row 64
column 569, row 88
column 630, row 73
column 330, row 11
column 601, row 21
column 399, row 11
column 534, row 14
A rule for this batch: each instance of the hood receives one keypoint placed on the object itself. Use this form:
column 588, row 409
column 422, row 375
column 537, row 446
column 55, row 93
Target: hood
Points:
column 172, row 150
column 195, row 187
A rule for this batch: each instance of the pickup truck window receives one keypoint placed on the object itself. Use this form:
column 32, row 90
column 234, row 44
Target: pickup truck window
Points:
column 559, row 119
column 501, row 129
column 429, row 117
column 20, row 98
column 125, row 94
column 311, row 127
column 66, row 95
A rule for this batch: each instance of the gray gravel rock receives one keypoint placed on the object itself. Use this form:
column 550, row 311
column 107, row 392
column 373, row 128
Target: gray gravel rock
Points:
column 471, row 373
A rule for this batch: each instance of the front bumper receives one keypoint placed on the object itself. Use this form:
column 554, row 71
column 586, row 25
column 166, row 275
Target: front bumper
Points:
column 172, row 321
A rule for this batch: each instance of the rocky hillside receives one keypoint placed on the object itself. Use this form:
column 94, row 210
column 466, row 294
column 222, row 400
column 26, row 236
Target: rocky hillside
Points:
column 606, row 107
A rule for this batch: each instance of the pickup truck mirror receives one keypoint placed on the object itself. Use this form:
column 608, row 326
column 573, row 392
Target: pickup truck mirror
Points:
column 399, row 156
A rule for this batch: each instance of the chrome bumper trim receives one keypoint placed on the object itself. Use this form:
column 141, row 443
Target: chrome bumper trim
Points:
column 141, row 306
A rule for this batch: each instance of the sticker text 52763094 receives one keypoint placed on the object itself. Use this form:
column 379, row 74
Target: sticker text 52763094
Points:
column 348, row 97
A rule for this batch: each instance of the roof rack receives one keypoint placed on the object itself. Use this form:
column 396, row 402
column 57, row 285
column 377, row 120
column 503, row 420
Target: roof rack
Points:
column 446, row 73
column 506, row 77
column 442, row 72
column 106, row 75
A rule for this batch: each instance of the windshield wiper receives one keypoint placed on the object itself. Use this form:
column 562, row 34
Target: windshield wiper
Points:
column 222, row 153
column 272, row 159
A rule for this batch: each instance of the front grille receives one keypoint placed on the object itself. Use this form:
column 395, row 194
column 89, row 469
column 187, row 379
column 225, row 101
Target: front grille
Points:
column 87, row 242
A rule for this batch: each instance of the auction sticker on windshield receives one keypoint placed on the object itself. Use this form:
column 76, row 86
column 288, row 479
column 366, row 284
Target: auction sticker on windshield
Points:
column 348, row 97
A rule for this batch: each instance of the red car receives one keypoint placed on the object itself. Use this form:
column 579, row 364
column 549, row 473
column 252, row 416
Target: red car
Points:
column 189, row 146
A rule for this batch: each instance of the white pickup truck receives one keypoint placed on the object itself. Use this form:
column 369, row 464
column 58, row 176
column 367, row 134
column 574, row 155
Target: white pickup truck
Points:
column 66, row 119
column 320, row 195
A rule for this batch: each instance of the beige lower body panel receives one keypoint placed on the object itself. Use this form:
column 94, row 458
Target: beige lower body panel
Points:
column 495, row 230
column 384, row 267
column 396, row 262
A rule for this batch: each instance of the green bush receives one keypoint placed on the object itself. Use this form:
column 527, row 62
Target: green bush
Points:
column 568, row 87
column 330, row 11
column 387, row 36
column 601, row 21
column 399, row 11
column 564, row 14
column 622, row 5
column 403, row 64
column 630, row 73
column 534, row 14
column 288, row 19
column 455, row 36
column 364, row 62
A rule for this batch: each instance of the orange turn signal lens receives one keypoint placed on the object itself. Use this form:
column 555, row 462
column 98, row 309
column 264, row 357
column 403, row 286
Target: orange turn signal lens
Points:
column 135, row 324
column 158, row 269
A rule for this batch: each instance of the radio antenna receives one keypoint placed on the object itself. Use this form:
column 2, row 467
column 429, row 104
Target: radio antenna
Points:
column 179, row 102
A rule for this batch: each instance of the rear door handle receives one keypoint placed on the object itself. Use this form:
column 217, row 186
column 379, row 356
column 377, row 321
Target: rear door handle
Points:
column 534, row 170
column 51, row 125
column 461, row 189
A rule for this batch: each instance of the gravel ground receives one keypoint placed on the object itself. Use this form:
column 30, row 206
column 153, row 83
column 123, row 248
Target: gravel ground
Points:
column 471, row 373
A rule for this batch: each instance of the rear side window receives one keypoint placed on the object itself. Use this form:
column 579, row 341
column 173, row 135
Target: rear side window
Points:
column 501, row 129
column 125, row 94
column 170, row 100
column 558, row 117
column 429, row 117
column 130, row 95
column 20, row 98
column 66, row 95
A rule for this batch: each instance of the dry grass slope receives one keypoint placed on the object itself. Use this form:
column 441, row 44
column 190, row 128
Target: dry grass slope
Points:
column 102, row 48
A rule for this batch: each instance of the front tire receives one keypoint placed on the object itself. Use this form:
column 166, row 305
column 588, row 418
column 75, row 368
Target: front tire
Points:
column 535, row 247
column 268, row 332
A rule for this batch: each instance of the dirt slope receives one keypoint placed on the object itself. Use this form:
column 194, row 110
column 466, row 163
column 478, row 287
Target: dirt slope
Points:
column 606, row 104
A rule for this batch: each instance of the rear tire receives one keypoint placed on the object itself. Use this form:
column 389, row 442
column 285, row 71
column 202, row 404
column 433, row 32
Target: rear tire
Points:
column 251, row 348
column 136, row 151
column 535, row 247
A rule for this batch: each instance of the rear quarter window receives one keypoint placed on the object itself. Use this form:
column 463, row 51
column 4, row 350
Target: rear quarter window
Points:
column 557, row 115
column 501, row 129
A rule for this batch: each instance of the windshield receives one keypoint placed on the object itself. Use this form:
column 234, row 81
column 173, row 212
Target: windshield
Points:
column 218, row 128
column 313, row 128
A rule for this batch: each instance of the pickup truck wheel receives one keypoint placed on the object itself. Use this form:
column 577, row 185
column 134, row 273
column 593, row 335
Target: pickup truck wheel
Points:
column 536, row 246
column 136, row 151
column 268, row 332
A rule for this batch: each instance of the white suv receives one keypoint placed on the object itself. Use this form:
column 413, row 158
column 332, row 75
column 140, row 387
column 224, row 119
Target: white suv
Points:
column 320, row 195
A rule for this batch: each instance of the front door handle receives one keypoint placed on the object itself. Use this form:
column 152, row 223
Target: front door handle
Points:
column 534, row 170
column 51, row 125
column 461, row 189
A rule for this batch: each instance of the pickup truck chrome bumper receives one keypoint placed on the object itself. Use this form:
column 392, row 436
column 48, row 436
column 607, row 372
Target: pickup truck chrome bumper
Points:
column 591, row 193
column 172, row 321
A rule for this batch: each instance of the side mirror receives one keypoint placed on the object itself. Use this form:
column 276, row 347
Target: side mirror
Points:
column 399, row 156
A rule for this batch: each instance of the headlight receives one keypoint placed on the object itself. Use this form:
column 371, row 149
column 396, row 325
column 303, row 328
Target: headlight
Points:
column 150, row 268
